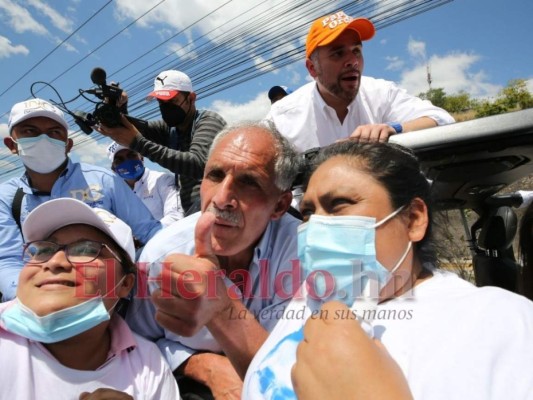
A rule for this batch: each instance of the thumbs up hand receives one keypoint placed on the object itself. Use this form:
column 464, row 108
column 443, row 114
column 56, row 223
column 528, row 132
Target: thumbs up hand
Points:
column 195, row 291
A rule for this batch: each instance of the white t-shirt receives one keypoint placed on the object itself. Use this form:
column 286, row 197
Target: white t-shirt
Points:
column 134, row 365
column 307, row 121
column 451, row 340
column 158, row 192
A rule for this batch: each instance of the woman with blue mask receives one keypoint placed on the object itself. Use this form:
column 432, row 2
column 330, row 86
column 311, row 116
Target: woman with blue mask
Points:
column 365, row 244
column 62, row 329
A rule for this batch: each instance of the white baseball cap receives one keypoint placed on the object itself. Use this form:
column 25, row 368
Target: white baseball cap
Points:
column 113, row 149
column 168, row 84
column 35, row 108
column 54, row 214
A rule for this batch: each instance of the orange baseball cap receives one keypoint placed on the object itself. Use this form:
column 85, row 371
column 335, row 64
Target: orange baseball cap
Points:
column 326, row 29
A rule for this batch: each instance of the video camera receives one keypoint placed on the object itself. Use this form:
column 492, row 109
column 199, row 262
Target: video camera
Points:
column 106, row 112
column 305, row 165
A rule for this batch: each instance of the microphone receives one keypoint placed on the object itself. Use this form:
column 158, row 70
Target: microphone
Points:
column 83, row 120
column 519, row 199
column 98, row 76
column 94, row 92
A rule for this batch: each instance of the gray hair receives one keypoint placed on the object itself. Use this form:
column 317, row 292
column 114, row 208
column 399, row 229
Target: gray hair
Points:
column 287, row 162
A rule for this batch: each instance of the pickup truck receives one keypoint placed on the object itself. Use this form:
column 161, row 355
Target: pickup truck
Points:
column 470, row 165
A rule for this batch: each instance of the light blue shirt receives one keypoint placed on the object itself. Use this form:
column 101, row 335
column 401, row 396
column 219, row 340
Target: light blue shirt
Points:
column 274, row 277
column 96, row 186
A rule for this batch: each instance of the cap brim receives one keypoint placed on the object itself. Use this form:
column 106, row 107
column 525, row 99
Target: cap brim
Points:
column 43, row 113
column 162, row 95
column 58, row 213
column 111, row 155
column 363, row 27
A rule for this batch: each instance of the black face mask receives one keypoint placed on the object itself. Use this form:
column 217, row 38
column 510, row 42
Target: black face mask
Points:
column 172, row 114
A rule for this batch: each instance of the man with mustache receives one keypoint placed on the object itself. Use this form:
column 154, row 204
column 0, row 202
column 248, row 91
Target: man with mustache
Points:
column 341, row 102
column 220, row 278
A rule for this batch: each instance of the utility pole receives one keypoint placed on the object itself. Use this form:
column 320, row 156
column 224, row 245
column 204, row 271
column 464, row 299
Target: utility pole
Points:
column 428, row 76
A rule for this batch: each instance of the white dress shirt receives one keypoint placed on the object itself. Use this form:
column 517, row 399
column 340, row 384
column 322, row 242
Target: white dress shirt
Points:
column 158, row 192
column 305, row 119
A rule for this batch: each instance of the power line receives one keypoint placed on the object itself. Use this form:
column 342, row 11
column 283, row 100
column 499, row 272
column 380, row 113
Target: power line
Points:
column 104, row 43
column 55, row 48
column 259, row 41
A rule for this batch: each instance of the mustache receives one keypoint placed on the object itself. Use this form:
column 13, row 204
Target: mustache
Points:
column 229, row 216
column 351, row 71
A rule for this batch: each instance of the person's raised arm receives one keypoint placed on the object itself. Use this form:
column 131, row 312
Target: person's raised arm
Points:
column 337, row 360
column 11, row 242
column 198, row 297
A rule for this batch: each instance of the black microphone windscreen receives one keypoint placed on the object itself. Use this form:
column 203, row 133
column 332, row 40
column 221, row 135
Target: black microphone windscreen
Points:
column 98, row 76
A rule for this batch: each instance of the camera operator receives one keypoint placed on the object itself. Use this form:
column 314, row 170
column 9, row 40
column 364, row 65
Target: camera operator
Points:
column 181, row 140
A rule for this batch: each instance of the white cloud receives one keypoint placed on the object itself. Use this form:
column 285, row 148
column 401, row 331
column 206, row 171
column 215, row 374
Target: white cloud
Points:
column 20, row 18
column 92, row 151
column 383, row 41
column 255, row 109
column 416, row 49
column 66, row 45
column 295, row 79
column 58, row 20
column 182, row 52
column 453, row 73
column 169, row 13
column 7, row 49
column 4, row 132
column 394, row 63
column 529, row 85
column 228, row 16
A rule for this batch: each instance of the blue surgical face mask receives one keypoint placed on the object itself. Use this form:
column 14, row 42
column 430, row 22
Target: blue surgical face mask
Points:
column 59, row 325
column 130, row 169
column 341, row 251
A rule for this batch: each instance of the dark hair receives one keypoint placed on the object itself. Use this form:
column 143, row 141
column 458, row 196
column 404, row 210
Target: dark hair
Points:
column 128, row 265
column 525, row 245
column 397, row 169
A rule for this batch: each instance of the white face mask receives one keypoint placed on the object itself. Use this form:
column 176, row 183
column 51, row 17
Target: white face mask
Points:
column 42, row 154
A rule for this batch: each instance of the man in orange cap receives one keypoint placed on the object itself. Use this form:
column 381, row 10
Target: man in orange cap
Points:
column 341, row 103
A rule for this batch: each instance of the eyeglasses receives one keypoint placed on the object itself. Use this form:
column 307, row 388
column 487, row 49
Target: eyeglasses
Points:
column 82, row 251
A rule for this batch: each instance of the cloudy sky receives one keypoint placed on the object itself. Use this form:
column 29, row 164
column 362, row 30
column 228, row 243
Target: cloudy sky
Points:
column 235, row 50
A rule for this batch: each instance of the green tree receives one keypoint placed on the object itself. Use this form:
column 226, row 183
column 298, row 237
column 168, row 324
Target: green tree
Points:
column 486, row 108
column 458, row 103
column 516, row 95
column 436, row 96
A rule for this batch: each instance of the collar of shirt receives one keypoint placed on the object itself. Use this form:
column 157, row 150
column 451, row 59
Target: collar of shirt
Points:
column 263, row 250
column 28, row 189
column 319, row 101
column 140, row 183
column 122, row 338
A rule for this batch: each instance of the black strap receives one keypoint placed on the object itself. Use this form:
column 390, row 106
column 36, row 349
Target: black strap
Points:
column 17, row 205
